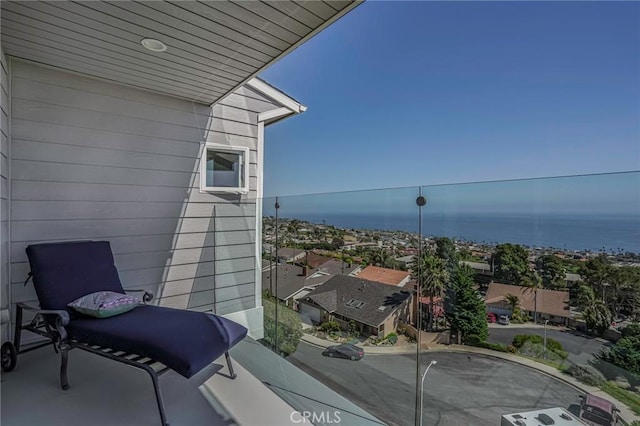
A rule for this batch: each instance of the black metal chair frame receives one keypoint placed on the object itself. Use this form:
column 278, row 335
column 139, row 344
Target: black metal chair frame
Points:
column 51, row 325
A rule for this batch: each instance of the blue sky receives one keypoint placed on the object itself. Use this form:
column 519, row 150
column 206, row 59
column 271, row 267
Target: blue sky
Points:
column 423, row 93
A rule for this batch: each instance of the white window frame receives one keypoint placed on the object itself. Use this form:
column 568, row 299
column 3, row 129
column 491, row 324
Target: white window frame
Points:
column 230, row 149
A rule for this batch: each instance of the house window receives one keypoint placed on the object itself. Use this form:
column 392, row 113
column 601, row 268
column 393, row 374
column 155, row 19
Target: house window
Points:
column 225, row 169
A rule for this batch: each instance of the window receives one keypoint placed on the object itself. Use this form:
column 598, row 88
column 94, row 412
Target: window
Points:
column 225, row 169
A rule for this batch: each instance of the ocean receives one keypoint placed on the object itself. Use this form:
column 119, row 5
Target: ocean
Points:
column 562, row 231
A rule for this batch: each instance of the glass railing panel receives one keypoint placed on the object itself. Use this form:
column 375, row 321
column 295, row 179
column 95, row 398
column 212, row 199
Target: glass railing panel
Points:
column 539, row 283
column 320, row 291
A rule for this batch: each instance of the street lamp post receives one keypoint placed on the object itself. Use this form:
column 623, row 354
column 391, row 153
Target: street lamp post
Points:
column 422, row 387
column 544, row 351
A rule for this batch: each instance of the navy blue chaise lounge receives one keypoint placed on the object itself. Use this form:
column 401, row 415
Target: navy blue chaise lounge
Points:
column 181, row 340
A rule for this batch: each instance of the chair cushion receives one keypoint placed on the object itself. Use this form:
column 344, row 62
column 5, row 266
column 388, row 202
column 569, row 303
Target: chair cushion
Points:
column 105, row 304
column 185, row 341
column 64, row 272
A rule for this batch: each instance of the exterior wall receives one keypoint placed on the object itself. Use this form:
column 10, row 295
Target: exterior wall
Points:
column 499, row 309
column 4, row 191
column 402, row 315
column 94, row 160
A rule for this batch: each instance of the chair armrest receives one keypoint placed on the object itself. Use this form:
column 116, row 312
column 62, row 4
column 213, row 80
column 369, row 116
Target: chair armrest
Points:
column 62, row 315
column 146, row 297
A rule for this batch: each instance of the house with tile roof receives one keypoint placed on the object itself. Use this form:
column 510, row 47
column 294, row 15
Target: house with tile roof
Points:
column 551, row 305
column 377, row 309
column 385, row 275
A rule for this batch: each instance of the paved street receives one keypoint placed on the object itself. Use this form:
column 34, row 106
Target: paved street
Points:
column 460, row 390
column 581, row 348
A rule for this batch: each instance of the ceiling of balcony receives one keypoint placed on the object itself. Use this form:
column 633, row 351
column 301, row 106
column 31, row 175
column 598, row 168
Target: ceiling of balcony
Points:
column 212, row 46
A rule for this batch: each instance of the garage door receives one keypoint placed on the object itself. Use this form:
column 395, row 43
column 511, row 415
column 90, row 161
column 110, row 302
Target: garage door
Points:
column 310, row 312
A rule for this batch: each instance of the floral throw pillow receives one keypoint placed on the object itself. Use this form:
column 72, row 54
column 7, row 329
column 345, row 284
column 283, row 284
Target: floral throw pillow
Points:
column 105, row 304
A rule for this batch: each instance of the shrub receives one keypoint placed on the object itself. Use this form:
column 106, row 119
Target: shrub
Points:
column 587, row 375
column 519, row 340
column 474, row 340
column 329, row 327
column 625, row 354
column 392, row 338
column 353, row 329
column 286, row 332
column 512, row 349
column 494, row 346
column 632, row 330
column 552, row 345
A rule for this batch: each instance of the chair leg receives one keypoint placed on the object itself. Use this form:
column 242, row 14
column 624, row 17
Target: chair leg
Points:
column 232, row 375
column 156, row 388
column 64, row 354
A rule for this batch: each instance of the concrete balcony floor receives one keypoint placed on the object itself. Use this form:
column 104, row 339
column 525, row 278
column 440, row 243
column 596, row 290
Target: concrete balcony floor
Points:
column 104, row 393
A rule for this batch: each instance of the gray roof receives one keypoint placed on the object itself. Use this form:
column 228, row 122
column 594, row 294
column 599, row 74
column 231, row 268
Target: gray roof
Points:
column 365, row 301
column 572, row 277
column 289, row 253
column 476, row 265
column 335, row 267
column 289, row 280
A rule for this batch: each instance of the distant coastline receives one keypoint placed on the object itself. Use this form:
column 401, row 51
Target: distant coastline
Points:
column 611, row 233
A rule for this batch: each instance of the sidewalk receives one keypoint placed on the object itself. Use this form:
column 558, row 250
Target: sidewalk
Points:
column 626, row 414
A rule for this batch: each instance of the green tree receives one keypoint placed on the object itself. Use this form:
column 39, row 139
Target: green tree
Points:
column 288, row 330
column 510, row 262
column 625, row 354
column 464, row 308
column 595, row 272
column 513, row 301
column 552, row 271
column 594, row 310
column 533, row 282
column 623, row 281
column 381, row 257
column 431, row 273
column 446, row 250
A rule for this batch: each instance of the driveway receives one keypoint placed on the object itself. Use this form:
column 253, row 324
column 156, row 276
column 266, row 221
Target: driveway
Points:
column 460, row 389
column 581, row 347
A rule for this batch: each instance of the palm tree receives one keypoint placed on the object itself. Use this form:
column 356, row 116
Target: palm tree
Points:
column 380, row 258
column 534, row 283
column 594, row 310
column 432, row 276
column 513, row 301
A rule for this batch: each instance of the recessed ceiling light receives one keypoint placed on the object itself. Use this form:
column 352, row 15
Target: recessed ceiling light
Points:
column 154, row 45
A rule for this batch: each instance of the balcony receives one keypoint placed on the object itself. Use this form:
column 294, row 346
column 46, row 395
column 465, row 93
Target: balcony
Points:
column 102, row 138
column 350, row 275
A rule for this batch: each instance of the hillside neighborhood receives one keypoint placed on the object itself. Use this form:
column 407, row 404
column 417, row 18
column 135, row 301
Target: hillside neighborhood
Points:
column 526, row 284
column 380, row 288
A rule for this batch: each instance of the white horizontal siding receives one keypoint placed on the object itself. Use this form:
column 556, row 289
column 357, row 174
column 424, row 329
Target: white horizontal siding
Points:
column 5, row 196
column 94, row 160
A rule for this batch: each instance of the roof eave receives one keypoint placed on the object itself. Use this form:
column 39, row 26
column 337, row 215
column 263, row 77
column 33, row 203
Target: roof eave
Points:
column 294, row 46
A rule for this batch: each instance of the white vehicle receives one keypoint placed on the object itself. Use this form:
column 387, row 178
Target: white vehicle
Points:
column 503, row 319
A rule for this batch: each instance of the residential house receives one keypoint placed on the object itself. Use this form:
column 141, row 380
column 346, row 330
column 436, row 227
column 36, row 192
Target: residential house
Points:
column 406, row 261
column 481, row 268
column 438, row 310
column 387, row 276
column 290, row 255
column 377, row 309
column 289, row 282
column 551, row 305
column 571, row 279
